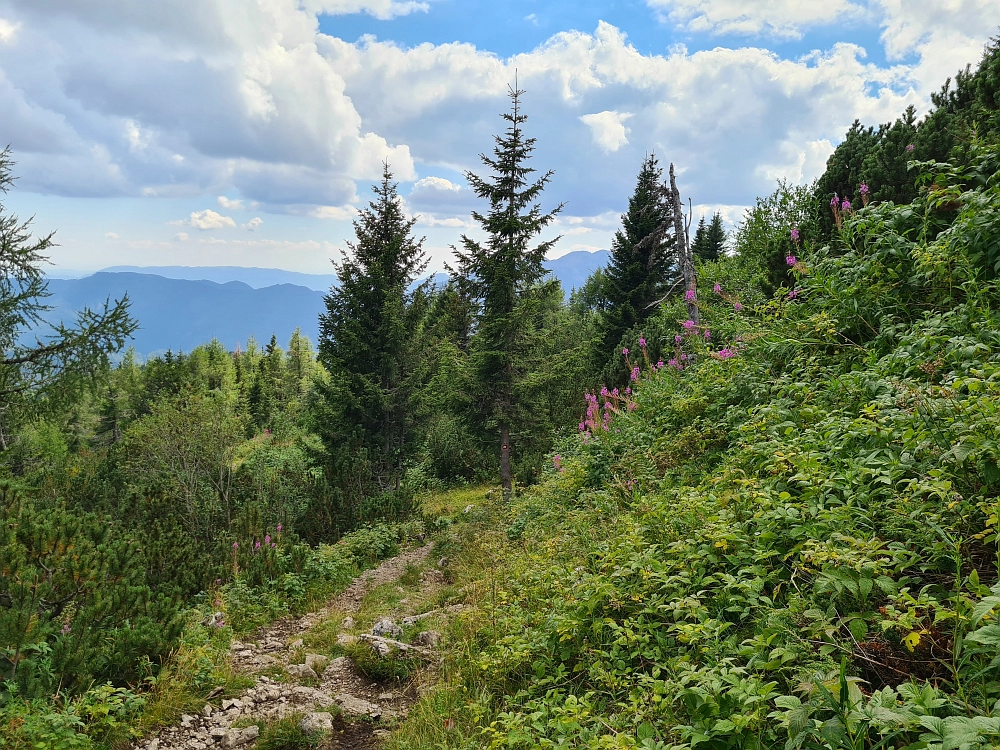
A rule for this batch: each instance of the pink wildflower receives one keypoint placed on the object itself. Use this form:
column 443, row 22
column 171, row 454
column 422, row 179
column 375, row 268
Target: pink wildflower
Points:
column 624, row 351
column 791, row 260
column 737, row 307
column 688, row 324
column 795, row 235
column 717, row 288
column 642, row 342
column 689, row 295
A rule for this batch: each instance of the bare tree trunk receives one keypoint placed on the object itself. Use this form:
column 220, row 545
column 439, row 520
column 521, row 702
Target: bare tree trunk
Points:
column 684, row 251
column 506, row 480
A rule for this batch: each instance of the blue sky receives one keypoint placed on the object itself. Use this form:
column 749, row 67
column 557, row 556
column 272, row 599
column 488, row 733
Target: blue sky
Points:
column 247, row 132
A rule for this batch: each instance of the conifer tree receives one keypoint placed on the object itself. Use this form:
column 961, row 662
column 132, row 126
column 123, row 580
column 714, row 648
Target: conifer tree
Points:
column 713, row 240
column 699, row 246
column 365, row 336
column 642, row 260
column 501, row 274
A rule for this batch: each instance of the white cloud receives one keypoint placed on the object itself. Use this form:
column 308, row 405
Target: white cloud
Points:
column 207, row 219
column 775, row 18
column 608, row 129
column 111, row 235
column 230, row 203
column 435, row 183
column 253, row 223
column 181, row 237
column 8, row 31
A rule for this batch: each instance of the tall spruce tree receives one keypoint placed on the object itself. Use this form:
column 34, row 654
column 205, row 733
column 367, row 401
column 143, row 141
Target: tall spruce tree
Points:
column 501, row 275
column 365, row 337
column 642, row 261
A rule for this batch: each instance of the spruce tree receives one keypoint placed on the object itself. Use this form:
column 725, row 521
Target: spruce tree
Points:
column 700, row 244
column 365, row 337
column 642, row 261
column 715, row 240
column 501, row 275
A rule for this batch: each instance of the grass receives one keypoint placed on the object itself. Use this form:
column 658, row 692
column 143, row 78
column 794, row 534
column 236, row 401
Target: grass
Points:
column 453, row 502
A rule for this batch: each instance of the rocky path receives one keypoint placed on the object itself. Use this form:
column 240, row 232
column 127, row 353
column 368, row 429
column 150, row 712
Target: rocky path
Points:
column 329, row 695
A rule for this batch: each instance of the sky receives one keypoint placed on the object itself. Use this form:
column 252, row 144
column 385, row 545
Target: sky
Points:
column 248, row 132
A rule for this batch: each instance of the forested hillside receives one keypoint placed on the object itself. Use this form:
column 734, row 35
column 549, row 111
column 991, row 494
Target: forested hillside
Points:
column 746, row 486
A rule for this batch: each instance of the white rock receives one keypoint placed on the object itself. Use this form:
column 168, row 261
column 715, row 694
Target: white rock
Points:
column 318, row 721
column 297, row 643
column 217, row 733
column 207, row 710
column 347, row 623
column 387, row 629
column 229, row 703
column 300, row 671
column 468, row 508
column 240, row 737
column 186, row 720
column 344, row 639
column 358, row 706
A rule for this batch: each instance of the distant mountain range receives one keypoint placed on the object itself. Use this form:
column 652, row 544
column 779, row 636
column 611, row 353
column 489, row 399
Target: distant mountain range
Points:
column 180, row 307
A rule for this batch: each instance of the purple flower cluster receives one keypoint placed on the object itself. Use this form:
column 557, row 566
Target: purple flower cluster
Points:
column 910, row 148
column 689, row 295
column 791, row 260
column 737, row 307
column 864, row 188
column 726, row 353
column 717, row 288
column 795, row 236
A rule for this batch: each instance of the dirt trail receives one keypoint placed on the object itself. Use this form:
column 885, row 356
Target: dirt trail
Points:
column 335, row 697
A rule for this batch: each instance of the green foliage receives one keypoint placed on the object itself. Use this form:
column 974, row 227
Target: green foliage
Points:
column 502, row 275
column 75, row 606
column 643, row 264
column 366, row 341
column 791, row 545
column 709, row 239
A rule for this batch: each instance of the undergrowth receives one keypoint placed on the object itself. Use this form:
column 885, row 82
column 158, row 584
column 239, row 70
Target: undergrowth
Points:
column 783, row 539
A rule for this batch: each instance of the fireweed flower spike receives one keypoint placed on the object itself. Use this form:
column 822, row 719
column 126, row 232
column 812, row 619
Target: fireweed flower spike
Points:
column 910, row 148
column 279, row 528
column 708, row 335
column 791, row 260
column 678, row 339
column 689, row 324
column 835, row 202
column 689, row 295
column 737, row 306
column 845, row 205
column 236, row 545
column 863, row 189
column 624, row 351
column 795, row 236
column 717, row 288
column 659, row 364
column 642, row 343
column 267, row 539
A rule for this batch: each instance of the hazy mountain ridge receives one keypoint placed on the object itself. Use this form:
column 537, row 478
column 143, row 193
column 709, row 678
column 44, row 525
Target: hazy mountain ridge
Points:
column 180, row 307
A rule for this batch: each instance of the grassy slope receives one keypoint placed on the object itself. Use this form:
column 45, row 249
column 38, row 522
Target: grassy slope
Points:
column 794, row 545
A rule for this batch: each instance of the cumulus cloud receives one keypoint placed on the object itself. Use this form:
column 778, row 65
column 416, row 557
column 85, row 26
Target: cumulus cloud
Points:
column 608, row 129
column 253, row 223
column 775, row 18
column 230, row 203
column 111, row 235
column 187, row 96
column 207, row 219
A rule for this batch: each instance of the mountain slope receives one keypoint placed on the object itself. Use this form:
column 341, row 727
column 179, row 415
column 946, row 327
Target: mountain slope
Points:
column 180, row 314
